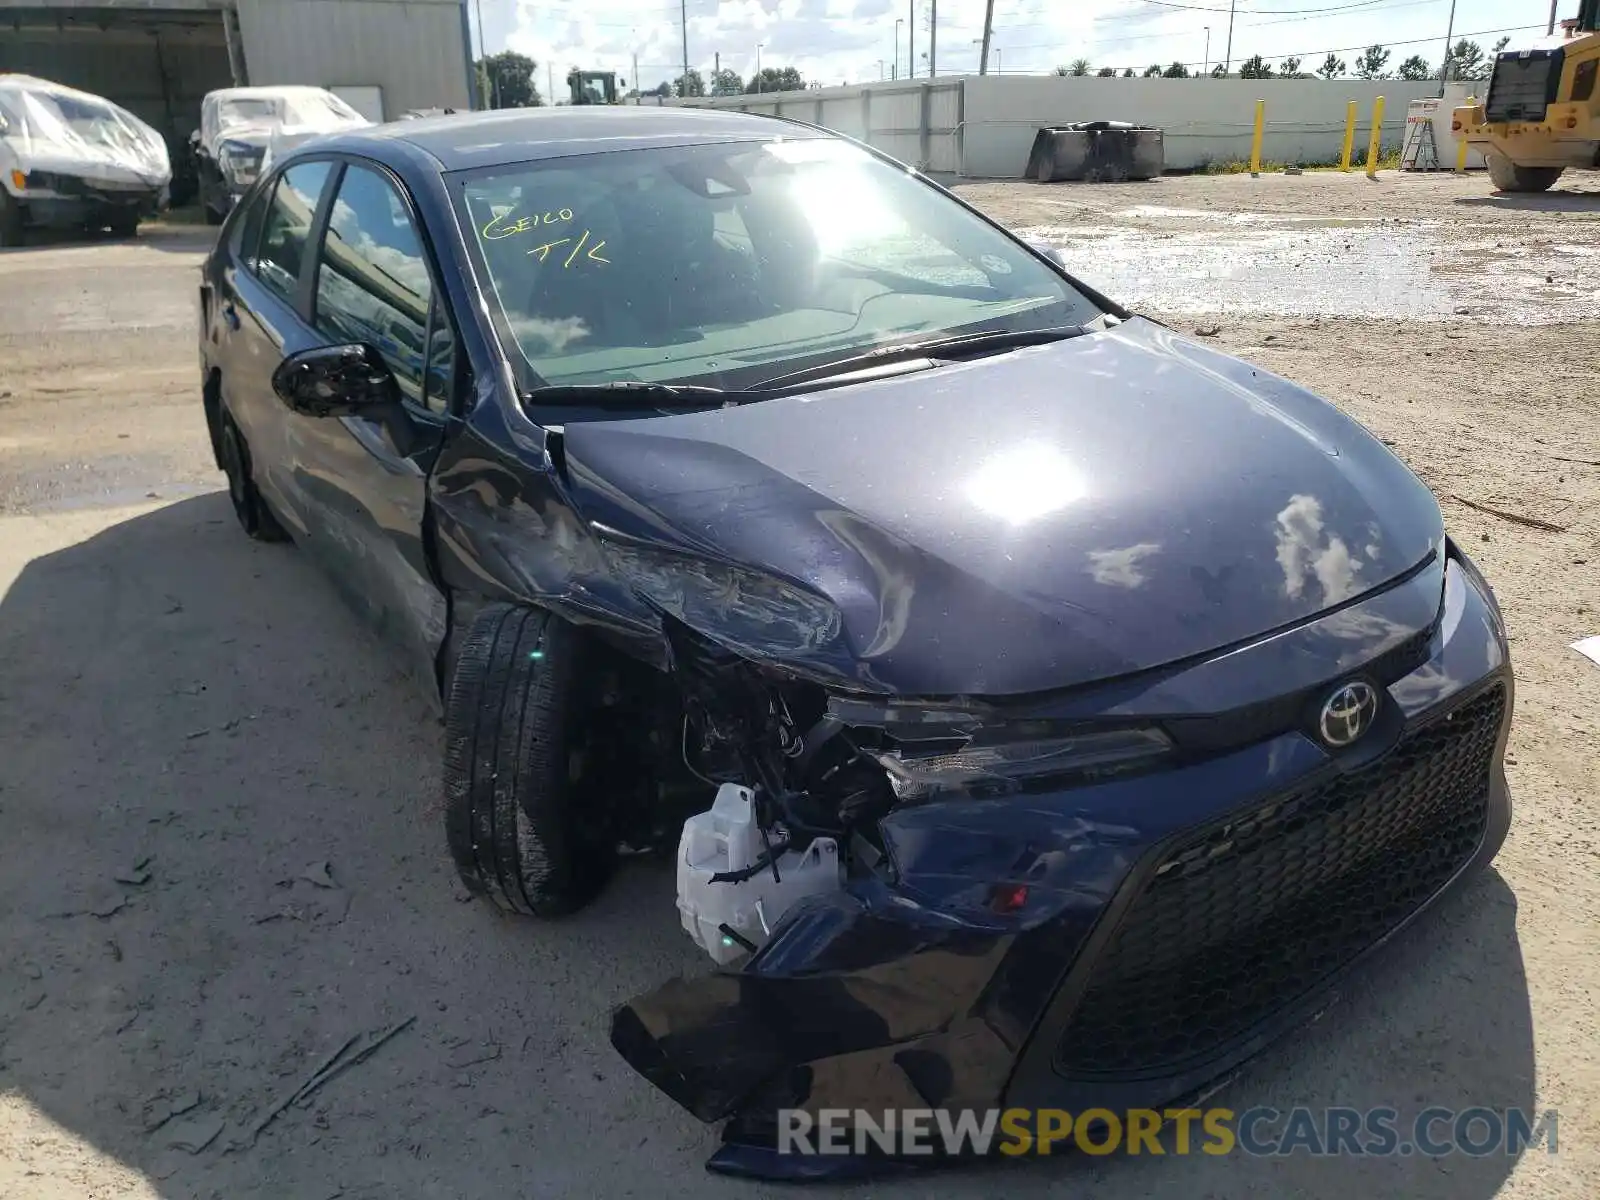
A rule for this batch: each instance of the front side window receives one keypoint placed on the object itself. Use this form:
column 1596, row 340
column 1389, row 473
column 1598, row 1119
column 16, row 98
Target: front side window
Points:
column 730, row 263
column 287, row 226
column 373, row 286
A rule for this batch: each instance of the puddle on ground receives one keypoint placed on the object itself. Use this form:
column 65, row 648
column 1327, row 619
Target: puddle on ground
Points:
column 1292, row 268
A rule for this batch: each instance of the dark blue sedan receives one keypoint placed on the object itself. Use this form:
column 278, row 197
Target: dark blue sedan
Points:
column 1040, row 708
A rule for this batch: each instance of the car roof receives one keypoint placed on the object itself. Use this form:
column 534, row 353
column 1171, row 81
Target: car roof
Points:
column 283, row 92
column 482, row 139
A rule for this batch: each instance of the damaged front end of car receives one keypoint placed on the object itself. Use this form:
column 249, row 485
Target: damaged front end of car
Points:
column 1104, row 898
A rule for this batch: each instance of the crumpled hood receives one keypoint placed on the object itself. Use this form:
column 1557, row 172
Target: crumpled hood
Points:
column 1030, row 521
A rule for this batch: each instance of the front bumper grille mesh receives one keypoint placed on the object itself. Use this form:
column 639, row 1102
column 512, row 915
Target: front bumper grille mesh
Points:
column 1241, row 919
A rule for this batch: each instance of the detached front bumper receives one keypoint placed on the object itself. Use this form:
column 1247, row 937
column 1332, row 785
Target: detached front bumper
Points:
column 1117, row 945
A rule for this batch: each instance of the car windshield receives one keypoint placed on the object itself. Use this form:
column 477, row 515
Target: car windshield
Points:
column 730, row 263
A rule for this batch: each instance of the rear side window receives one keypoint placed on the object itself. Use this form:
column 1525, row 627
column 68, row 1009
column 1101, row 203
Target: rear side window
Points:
column 373, row 286
column 286, row 228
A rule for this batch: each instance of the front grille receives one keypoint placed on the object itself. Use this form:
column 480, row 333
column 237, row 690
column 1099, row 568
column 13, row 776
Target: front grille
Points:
column 1523, row 84
column 1241, row 919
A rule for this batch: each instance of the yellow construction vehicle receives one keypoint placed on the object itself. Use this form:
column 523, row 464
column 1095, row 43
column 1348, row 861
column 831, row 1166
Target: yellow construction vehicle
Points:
column 1542, row 111
column 592, row 87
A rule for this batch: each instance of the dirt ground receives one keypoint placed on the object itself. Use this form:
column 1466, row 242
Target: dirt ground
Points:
column 220, row 851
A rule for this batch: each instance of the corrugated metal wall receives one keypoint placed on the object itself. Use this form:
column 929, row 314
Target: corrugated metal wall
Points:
column 156, row 69
column 413, row 49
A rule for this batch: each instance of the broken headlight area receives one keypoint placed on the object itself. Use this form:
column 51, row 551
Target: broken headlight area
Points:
column 240, row 162
column 805, row 777
column 762, row 615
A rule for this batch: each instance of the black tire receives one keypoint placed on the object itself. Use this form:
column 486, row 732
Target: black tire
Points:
column 255, row 516
column 520, row 828
column 213, row 217
column 124, row 225
column 10, row 220
column 1508, row 177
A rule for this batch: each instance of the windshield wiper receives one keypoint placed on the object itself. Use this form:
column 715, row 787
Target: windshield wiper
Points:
column 955, row 346
column 637, row 393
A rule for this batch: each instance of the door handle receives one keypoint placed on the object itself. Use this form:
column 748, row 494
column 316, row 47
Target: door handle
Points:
column 230, row 315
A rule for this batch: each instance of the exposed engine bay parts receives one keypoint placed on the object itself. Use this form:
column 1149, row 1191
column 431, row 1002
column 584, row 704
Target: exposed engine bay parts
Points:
column 72, row 159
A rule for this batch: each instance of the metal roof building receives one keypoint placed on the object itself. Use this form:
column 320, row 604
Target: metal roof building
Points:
column 157, row 58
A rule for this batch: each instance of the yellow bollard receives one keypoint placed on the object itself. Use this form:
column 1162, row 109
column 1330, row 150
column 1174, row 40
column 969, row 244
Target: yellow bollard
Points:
column 1461, row 148
column 1377, row 136
column 1255, row 142
column 1349, row 135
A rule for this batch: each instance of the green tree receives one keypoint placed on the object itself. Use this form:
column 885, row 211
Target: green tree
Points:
column 726, row 82
column 776, row 79
column 1465, row 61
column 1332, row 67
column 1289, row 68
column 1415, row 68
column 1080, row 66
column 1372, row 62
column 1499, row 46
column 690, row 84
column 1255, row 67
column 662, row 89
column 1153, row 71
column 508, row 79
column 1127, row 72
column 1220, row 71
column 1176, row 71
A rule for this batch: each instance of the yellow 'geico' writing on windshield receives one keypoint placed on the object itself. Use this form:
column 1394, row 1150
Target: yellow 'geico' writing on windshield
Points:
column 496, row 228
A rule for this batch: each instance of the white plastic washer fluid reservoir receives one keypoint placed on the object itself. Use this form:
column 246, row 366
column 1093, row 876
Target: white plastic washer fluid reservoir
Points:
column 728, row 839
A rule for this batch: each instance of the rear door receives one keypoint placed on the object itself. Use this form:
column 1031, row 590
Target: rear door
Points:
column 261, row 296
column 361, row 481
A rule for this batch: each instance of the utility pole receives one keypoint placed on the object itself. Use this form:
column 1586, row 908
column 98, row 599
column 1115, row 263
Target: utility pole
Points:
column 638, row 94
column 988, row 29
column 483, row 56
column 933, row 38
column 1449, row 32
column 1227, row 57
column 1549, row 30
column 911, row 39
column 683, row 9
column 550, row 78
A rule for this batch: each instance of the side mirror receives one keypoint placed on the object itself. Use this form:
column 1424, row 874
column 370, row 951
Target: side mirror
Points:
column 335, row 381
column 1050, row 252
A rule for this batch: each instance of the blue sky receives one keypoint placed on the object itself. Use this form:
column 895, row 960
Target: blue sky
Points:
column 838, row 41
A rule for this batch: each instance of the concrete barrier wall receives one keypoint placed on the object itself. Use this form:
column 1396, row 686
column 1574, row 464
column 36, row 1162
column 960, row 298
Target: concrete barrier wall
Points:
column 1206, row 120
column 983, row 126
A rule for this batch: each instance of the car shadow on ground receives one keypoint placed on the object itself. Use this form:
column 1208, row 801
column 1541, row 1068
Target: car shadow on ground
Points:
column 180, row 238
column 224, row 858
column 1578, row 202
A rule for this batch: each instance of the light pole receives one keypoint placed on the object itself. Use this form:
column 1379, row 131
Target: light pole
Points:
column 999, row 67
column 758, row 66
column 1227, row 55
column 1449, row 32
column 911, row 39
column 1205, row 67
column 896, row 74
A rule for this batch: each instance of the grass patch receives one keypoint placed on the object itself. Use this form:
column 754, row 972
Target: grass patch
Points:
column 1388, row 160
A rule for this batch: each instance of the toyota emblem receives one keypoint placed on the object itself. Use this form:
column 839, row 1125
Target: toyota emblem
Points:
column 1348, row 713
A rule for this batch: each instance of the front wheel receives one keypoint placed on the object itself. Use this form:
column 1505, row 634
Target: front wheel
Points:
column 255, row 517
column 124, row 225
column 10, row 220
column 1508, row 177
column 522, row 828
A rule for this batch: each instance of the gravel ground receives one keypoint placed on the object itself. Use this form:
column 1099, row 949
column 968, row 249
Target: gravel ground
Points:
column 222, row 855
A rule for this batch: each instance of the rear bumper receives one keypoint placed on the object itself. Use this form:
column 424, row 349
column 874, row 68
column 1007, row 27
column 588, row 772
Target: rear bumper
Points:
column 917, row 994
